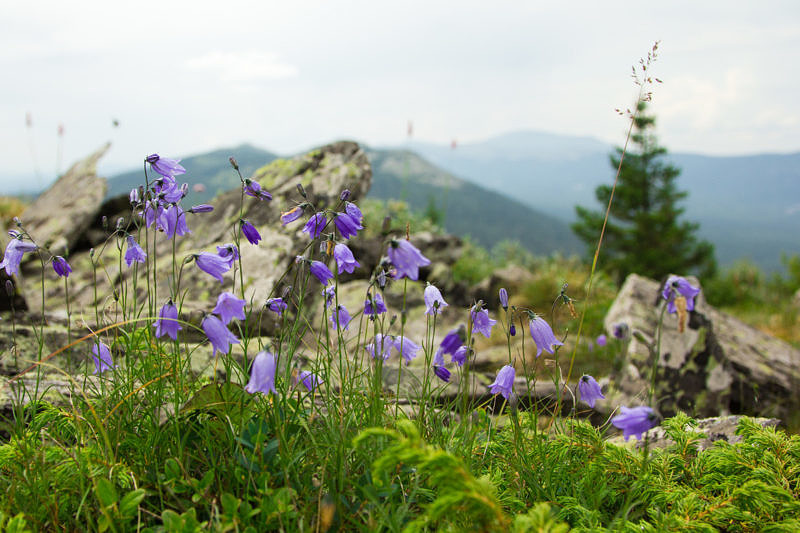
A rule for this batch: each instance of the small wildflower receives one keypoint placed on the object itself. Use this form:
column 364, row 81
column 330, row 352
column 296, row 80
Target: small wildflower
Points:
column 590, row 390
column 340, row 317
column 442, row 373
column 355, row 213
column 433, row 300
column 13, row 255
column 164, row 166
column 201, row 208
column 134, row 252
column 134, row 196
column 406, row 348
column 503, row 298
column 250, row 232
column 229, row 252
column 102, row 358
column 345, row 261
column 374, row 305
column 512, row 330
column 345, row 195
column 453, row 340
column 315, row 225
column 321, row 272
column 221, row 338
column 329, row 293
column 504, row 382
column 381, row 345
column 167, row 323
column 346, row 225
column 406, row 258
column 61, row 267
column 620, row 330
column 481, row 322
column 233, row 162
column 262, row 375
column 542, row 335
column 677, row 286
column 635, row 420
column 601, row 340
column 212, row 264
column 291, row 215
column 460, row 355
column 229, row 307
column 176, row 222
column 309, row 380
column 253, row 188
column 276, row 305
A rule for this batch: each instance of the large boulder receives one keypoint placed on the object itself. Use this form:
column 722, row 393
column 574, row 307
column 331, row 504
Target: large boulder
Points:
column 717, row 366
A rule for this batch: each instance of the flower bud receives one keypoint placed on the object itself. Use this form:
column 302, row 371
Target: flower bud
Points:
column 503, row 298
column 10, row 288
column 120, row 223
column 301, row 190
column 345, row 195
column 104, row 221
column 233, row 162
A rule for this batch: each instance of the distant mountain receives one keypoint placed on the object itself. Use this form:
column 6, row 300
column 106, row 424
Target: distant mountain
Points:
column 207, row 174
column 486, row 216
column 748, row 206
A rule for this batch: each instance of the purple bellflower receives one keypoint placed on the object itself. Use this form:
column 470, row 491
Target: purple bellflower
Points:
column 220, row 337
column 504, row 382
column 262, row 375
column 212, row 264
column 309, row 380
column 354, row 212
column 321, row 272
column 406, row 347
column 441, row 373
column 291, row 215
column 340, row 317
column 253, row 188
column 229, row 252
column 229, row 307
column 590, row 390
column 620, row 330
column 134, row 196
column 678, row 286
column 61, row 267
column 329, row 293
column 315, row 225
column 134, row 252
column 250, row 232
column 542, row 335
column 276, row 305
column 481, row 322
column 201, row 208
column 406, row 259
column 346, row 225
column 438, row 358
column 374, row 305
column 503, row 294
column 433, row 300
column 13, row 255
column 167, row 323
column 382, row 345
column 512, row 329
column 453, row 340
column 176, row 222
column 166, row 167
column 635, row 420
column 102, row 358
column 601, row 340
column 345, row 261
column 460, row 356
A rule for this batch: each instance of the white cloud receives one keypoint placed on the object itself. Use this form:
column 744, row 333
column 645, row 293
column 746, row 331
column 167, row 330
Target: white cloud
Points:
column 249, row 66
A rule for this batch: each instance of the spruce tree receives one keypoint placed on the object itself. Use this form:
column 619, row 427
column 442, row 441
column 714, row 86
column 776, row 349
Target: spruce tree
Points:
column 644, row 233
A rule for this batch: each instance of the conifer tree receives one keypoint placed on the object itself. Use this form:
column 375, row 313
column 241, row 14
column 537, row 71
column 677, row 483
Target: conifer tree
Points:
column 644, row 233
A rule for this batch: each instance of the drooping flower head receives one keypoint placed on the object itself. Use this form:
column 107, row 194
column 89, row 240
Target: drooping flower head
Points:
column 453, row 340
column 347, row 226
column 590, row 390
column 620, row 330
column 433, row 300
column 345, row 261
column 601, row 340
column 481, row 321
column 229, row 307
column 374, row 304
column 406, row 347
column 677, row 286
column 102, row 358
column 309, row 380
column 253, row 188
column 340, row 317
column 276, row 305
column 504, row 382
column 176, row 222
column 542, row 335
column 354, row 212
column 262, row 375
column 442, row 373
column 382, row 345
column 134, row 252
column 329, row 293
column 291, row 215
column 164, row 166
column 212, row 264
column 250, row 232
column 635, row 420
column 321, row 272
column 61, row 267
column 229, row 252
column 315, row 225
column 15, row 249
column 167, row 323
column 460, row 356
column 406, row 259
column 221, row 338
column 201, row 208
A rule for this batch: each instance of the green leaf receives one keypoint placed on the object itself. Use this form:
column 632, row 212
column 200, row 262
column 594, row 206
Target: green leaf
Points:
column 130, row 502
column 106, row 492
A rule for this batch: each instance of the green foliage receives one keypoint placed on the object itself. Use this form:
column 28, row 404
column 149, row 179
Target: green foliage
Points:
column 644, row 233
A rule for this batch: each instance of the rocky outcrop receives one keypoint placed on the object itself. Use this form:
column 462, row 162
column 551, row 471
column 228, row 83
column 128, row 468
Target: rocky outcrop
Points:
column 718, row 365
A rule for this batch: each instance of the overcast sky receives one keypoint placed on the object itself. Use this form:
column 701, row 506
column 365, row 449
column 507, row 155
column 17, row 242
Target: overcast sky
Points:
column 184, row 77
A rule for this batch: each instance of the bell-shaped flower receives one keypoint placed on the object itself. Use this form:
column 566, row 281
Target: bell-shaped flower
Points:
column 61, row 267
column 374, row 304
column 406, row 259
column 340, row 317
column 433, row 300
column 229, row 307
column 253, row 188
column 406, row 347
column 164, row 166
column 250, row 232
column 212, row 264
column 262, row 375
column 219, row 335
column 167, row 323
column 102, row 358
column 315, row 225
column 345, row 261
column 504, row 382
column 347, row 226
column 134, row 252
column 635, row 420
column 677, row 286
column 276, row 305
column 321, row 272
column 590, row 390
column 542, row 335
column 481, row 322
column 382, row 345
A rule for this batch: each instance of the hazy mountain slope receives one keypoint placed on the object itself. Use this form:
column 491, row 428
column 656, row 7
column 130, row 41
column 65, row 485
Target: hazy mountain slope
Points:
column 210, row 169
column 485, row 215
